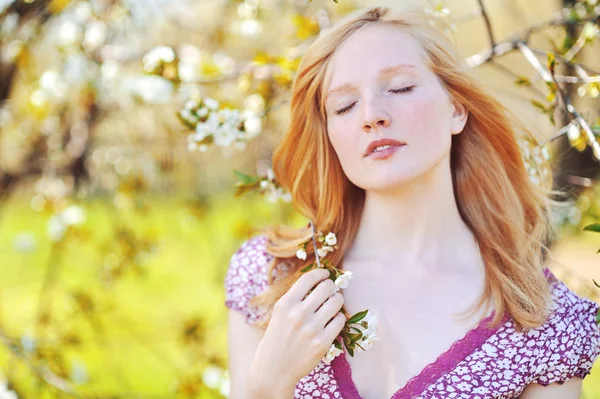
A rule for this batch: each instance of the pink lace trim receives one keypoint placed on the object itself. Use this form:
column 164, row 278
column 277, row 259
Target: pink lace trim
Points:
column 445, row 362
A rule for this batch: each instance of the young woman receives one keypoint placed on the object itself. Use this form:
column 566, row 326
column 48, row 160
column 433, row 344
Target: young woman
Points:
column 396, row 149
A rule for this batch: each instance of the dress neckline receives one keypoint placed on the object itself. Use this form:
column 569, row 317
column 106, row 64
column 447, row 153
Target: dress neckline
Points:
column 444, row 363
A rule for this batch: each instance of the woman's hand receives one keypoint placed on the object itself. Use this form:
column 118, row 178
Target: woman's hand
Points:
column 300, row 332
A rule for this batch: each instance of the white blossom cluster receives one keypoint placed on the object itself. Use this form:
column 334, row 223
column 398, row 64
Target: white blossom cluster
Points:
column 535, row 159
column 223, row 127
column 272, row 190
column 368, row 327
column 329, row 241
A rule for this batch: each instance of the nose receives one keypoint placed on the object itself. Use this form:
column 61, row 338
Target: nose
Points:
column 375, row 117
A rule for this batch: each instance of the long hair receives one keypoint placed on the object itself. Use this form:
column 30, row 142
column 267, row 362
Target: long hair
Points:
column 508, row 214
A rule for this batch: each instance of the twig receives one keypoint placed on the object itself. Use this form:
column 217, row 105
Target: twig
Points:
column 488, row 26
column 314, row 240
column 547, row 76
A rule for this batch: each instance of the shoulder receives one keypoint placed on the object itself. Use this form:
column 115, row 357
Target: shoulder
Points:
column 569, row 341
column 247, row 276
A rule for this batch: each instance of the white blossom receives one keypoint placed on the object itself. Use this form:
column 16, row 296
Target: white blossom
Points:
column 211, row 376
column 158, row 55
column 153, row 89
column 58, row 223
column 73, row 215
column 342, row 280
column 95, row 35
column 330, row 239
column 367, row 342
column 211, row 103
column 301, row 254
column 322, row 252
column 331, row 354
column 546, row 153
column 69, row 33
column 5, row 393
column 253, row 126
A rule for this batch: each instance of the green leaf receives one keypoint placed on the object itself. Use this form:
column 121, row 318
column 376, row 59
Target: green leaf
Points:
column 538, row 104
column 331, row 274
column 307, row 268
column 522, row 81
column 551, row 62
column 337, row 344
column 355, row 329
column 598, row 317
column 551, row 115
column 593, row 227
column 568, row 42
column 358, row 317
column 350, row 351
column 246, row 182
column 246, row 179
column 349, row 345
column 355, row 337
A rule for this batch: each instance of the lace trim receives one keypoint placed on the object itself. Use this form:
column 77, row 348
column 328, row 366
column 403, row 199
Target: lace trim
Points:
column 444, row 363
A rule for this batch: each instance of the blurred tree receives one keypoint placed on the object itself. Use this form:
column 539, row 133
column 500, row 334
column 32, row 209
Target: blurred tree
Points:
column 116, row 99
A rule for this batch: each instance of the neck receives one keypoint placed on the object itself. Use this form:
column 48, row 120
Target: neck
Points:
column 415, row 226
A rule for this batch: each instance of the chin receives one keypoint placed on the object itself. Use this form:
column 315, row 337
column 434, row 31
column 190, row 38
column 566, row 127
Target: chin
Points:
column 386, row 182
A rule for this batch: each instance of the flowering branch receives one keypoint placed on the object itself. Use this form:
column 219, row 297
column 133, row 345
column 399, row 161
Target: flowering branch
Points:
column 548, row 77
column 360, row 329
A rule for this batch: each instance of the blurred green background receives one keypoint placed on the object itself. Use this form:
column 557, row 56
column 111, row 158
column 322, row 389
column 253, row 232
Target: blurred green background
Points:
column 118, row 214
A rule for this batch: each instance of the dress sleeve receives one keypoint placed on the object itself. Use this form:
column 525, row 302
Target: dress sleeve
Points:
column 247, row 276
column 572, row 338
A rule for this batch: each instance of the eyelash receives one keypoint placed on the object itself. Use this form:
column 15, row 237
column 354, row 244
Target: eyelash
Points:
column 403, row 90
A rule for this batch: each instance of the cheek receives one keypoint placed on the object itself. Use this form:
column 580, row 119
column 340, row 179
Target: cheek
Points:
column 423, row 118
column 344, row 143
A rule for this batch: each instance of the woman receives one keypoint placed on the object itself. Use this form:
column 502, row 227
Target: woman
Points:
column 397, row 150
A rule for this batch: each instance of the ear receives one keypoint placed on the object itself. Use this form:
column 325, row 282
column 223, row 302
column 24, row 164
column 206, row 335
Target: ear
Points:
column 459, row 118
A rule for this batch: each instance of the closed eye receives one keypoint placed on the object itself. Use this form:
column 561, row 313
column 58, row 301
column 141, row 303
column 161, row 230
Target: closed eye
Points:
column 403, row 90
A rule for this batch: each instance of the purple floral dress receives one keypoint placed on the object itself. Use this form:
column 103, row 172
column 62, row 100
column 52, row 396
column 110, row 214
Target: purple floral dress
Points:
column 485, row 363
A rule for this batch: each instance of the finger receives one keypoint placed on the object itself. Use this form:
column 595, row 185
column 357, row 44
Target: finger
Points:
column 334, row 327
column 307, row 281
column 323, row 291
column 329, row 309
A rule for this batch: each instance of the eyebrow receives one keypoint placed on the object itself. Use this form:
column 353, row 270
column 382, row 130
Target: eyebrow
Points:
column 411, row 69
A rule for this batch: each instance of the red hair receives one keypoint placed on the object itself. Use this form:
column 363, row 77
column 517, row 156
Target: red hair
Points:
column 508, row 214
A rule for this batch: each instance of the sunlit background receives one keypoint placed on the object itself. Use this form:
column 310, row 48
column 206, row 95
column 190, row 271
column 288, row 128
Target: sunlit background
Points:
column 121, row 126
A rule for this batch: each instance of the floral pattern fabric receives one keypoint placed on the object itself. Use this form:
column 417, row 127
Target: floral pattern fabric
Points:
column 484, row 364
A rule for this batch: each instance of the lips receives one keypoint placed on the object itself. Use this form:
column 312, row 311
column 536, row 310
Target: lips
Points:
column 378, row 143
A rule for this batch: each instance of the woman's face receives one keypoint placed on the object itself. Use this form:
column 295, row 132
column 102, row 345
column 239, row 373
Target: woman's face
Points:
column 381, row 88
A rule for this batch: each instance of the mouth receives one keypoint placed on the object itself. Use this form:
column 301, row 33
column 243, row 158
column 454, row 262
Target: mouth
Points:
column 382, row 145
column 384, row 151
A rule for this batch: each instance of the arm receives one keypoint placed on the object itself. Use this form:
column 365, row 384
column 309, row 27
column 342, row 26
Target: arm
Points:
column 571, row 389
column 242, row 342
